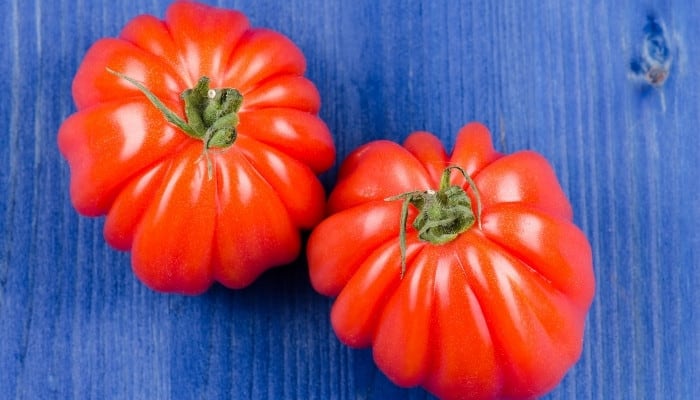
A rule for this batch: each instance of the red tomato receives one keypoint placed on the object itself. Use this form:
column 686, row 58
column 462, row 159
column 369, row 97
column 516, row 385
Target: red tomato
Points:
column 493, row 304
column 195, row 208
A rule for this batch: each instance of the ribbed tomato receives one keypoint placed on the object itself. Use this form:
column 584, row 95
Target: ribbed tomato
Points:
column 212, row 177
column 475, row 285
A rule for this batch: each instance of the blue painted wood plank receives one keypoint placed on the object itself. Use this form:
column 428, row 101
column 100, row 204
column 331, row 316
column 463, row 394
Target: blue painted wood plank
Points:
column 563, row 78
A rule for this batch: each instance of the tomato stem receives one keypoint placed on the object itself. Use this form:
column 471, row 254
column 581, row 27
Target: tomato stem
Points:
column 442, row 215
column 212, row 114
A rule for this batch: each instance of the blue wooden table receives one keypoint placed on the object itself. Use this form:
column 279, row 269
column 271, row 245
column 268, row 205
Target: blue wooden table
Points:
column 608, row 91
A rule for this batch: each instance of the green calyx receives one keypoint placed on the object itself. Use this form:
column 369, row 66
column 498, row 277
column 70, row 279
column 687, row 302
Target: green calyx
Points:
column 442, row 215
column 212, row 114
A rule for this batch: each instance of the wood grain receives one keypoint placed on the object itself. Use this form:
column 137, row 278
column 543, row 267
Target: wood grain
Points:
column 555, row 77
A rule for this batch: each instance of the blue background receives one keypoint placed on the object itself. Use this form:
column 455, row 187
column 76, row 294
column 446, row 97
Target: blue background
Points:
column 564, row 78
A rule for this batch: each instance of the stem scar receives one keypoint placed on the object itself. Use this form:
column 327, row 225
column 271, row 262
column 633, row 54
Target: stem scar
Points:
column 442, row 215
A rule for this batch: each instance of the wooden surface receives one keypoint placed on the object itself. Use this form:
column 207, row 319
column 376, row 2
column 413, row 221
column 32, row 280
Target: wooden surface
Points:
column 568, row 79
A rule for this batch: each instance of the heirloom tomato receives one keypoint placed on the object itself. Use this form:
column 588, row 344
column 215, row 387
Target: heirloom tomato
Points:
column 464, row 273
column 199, row 138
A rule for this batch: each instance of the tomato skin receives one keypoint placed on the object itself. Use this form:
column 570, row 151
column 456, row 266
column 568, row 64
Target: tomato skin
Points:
column 185, row 228
column 498, row 312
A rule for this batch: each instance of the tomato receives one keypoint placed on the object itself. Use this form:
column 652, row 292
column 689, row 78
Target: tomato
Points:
column 475, row 285
column 199, row 138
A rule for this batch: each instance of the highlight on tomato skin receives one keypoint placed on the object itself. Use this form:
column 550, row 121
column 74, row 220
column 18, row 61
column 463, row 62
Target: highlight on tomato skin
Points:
column 464, row 271
column 198, row 137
